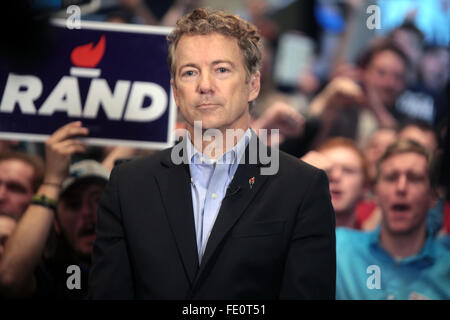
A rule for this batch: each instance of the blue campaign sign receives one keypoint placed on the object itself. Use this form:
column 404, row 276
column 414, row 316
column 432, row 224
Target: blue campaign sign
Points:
column 112, row 77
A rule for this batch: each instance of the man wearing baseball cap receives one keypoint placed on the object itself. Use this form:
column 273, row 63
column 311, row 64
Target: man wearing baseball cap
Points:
column 76, row 215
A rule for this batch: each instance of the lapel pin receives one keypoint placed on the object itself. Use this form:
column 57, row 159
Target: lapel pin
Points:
column 251, row 182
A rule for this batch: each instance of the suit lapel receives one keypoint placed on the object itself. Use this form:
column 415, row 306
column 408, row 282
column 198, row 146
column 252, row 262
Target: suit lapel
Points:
column 174, row 184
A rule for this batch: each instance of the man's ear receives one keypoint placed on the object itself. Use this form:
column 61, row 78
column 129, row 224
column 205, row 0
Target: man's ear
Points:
column 174, row 90
column 255, row 86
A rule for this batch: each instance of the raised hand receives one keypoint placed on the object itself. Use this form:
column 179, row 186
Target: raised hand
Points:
column 59, row 148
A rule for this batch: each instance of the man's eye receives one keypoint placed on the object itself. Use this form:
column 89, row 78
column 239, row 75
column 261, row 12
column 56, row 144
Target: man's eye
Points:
column 3, row 240
column 348, row 170
column 390, row 177
column 222, row 70
column 189, row 73
column 416, row 178
column 17, row 188
column 73, row 204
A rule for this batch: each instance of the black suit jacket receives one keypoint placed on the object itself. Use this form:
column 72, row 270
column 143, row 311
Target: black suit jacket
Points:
column 275, row 240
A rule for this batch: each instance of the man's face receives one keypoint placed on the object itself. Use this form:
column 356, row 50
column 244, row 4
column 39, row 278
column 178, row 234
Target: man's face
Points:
column 425, row 138
column 434, row 69
column 403, row 192
column 346, row 178
column 77, row 216
column 7, row 226
column 210, row 82
column 386, row 74
column 16, row 188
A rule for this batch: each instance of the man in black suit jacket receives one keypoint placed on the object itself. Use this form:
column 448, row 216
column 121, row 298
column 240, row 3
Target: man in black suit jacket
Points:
column 272, row 236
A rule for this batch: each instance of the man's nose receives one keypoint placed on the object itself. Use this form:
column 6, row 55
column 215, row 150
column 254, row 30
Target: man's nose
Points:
column 205, row 84
column 402, row 184
column 89, row 210
column 335, row 174
column 390, row 81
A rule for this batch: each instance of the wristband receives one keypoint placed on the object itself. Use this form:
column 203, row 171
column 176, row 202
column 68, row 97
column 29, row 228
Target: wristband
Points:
column 44, row 201
column 52, row 184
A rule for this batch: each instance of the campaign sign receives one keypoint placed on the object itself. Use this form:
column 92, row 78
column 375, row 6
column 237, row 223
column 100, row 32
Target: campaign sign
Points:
column 112, row 77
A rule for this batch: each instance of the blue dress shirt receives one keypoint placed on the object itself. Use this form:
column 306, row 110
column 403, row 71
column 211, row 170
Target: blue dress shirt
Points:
column 209, row 183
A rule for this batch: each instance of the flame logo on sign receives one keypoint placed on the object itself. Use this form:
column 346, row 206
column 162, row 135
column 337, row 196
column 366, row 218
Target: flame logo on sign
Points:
column 88, row 56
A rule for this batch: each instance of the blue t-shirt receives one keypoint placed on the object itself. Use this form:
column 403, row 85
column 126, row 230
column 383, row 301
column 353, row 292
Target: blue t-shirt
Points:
column 365, row 271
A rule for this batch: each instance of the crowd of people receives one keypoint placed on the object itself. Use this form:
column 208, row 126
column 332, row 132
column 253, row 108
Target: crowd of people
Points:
column 378, row 126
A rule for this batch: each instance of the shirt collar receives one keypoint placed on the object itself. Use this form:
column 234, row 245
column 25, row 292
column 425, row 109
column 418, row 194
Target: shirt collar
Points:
column 424, row 255
column 232, row 156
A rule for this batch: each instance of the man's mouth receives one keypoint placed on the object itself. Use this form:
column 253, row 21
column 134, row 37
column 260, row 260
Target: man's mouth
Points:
column 87, row 233
column 336, row 194
column 207, row 106
column 400, row 207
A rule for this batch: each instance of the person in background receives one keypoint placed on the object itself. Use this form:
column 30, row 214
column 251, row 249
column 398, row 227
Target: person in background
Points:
column 20, row 176
column 74, row 225
column 369, row 213
column 400, row 259
column 347, row 174
column 356, row 107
